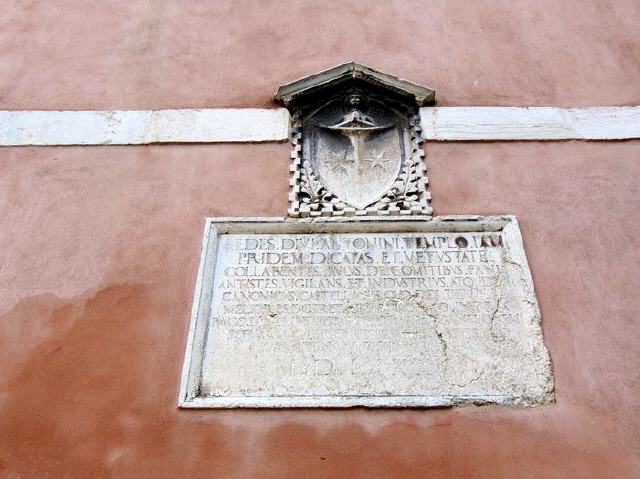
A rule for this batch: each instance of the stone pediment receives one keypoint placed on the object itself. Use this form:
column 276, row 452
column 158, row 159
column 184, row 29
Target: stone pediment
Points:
column 319, row 84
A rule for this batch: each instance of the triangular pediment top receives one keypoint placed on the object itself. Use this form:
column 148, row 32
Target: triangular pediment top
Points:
column 331, row 78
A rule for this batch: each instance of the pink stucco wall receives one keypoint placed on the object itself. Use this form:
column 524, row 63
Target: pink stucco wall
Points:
column 99, row 245
column 147, row 54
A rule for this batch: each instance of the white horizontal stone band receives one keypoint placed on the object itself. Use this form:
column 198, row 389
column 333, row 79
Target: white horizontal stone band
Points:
column 532, row 123
column 143, row 127
column 219, row 125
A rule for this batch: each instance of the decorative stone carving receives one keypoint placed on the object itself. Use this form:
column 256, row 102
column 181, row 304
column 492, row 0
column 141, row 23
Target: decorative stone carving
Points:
column 358, row 301
column 356, row 144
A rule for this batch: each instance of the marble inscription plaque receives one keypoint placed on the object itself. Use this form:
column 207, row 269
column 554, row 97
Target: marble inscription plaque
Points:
column 378, row 313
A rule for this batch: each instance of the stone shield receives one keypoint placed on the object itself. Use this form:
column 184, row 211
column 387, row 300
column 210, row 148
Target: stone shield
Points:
column 358, row 164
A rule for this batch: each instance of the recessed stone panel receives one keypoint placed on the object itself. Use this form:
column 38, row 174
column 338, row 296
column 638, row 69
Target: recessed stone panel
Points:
column 365, row 313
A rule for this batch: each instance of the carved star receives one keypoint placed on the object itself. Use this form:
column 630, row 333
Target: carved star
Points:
column 340, row 162
column 379, row 161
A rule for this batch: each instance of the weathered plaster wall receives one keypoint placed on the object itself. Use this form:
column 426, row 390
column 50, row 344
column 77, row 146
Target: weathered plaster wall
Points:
column 127, row 54
column 99, row 251
column 99, row 245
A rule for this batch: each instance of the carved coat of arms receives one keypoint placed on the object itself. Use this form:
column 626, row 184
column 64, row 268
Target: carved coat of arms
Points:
column 356, row 139
column 357, row 157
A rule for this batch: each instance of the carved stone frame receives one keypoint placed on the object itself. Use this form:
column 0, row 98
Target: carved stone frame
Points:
column 408, row 196
column 309, row 196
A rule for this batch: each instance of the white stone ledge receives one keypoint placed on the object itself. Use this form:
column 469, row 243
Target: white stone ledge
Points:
column 133, row 127
column 530, row 123
column 220, row 125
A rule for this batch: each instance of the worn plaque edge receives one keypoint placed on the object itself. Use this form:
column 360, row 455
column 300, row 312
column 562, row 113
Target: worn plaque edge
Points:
column 214, row 226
